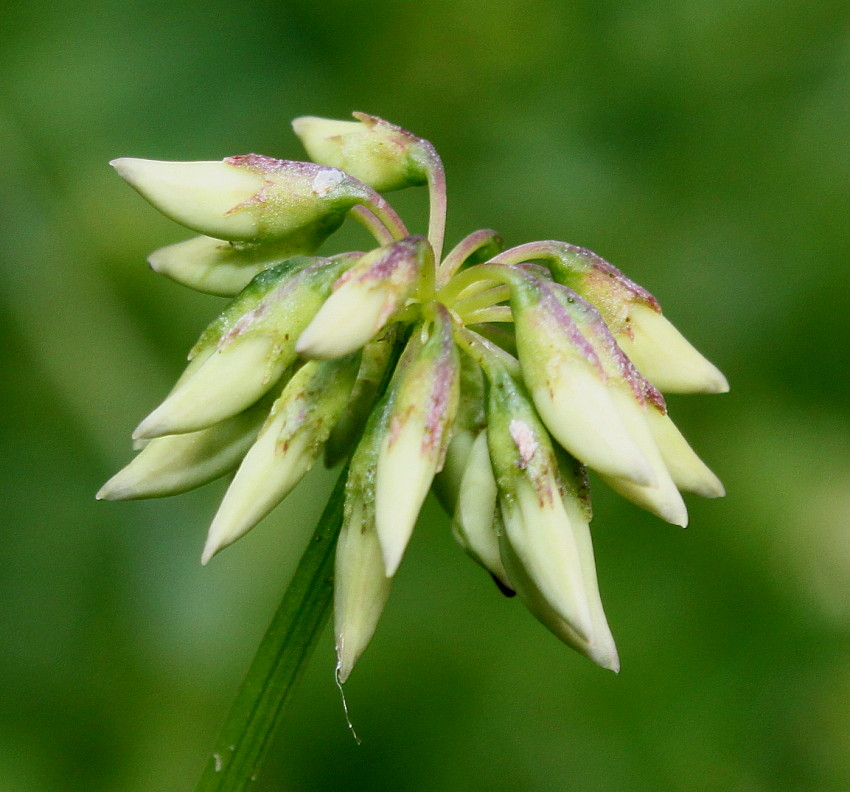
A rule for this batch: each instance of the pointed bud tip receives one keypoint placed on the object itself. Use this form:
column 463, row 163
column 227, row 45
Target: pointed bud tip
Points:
column 211, row 548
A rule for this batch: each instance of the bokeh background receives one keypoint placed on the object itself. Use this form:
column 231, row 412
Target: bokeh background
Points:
column 701, row 145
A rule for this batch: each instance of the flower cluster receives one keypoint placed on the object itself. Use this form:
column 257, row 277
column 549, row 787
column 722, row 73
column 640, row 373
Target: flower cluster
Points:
column 495, row 376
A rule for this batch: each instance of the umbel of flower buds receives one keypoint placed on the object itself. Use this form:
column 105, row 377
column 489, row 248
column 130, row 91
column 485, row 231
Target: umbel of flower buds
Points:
column 494, row 377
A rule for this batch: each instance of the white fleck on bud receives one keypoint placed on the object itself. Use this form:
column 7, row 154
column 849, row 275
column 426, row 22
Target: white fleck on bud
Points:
column 381, row 154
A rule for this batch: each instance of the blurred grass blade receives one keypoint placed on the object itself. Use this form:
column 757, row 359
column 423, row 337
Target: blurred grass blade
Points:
column 280, row 659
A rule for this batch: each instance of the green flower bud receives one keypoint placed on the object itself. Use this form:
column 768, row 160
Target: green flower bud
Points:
column 248, row 198
column 289, row 442
column 365, row 298
column 178, row 463
column 423, row 399
column 246, row 350
column 224, row 268
column 381, row 154
column 568, row 383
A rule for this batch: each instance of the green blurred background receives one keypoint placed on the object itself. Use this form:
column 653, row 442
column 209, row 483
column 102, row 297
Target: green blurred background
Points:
column 701, row 145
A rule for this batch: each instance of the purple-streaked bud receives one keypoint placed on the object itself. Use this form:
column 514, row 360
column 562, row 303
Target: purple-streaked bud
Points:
column 365, row 298
column 634, row 316
column 568, row 383
column 247, row 198
column 665, row 357
column 246, row 350
column 423, row 396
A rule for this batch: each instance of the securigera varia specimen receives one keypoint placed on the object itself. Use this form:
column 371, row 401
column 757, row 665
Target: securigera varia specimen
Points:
column 495, row 376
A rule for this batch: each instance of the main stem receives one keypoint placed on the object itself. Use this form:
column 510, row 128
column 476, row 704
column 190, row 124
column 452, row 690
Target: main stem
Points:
column 280, row 660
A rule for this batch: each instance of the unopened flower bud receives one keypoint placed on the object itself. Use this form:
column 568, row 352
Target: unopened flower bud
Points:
column 568, row 383
column 635, row 399
column 599, row 645
column 473, row 523
column 361, row 586
column 423, row 396
column 178, row 463
column 361, row 583
column 666, row 358
column 288, row 444
column 687, row 470
column 365, row 298
column 248, row 198
column 662, row 498
column 253, row 342
column 536, row 525
column 657, row 348
column 381, row 154
column 468, row 424
column 224, row 268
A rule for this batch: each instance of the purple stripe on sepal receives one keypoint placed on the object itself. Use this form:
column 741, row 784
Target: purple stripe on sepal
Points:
column 444, row 384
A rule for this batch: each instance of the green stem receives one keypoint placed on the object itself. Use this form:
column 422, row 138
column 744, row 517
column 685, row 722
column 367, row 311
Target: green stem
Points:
column 280, row 660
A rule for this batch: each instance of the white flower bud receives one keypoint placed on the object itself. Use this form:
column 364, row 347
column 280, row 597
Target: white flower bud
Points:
column 224, row 268
column 229, row 381
column 288, row 444
column 666, row 358
column 475, row 510
column 364, row 299
column 361, row 586
column 662, row 498
column 423, row 402
column 687, row 470
column 177, row 463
